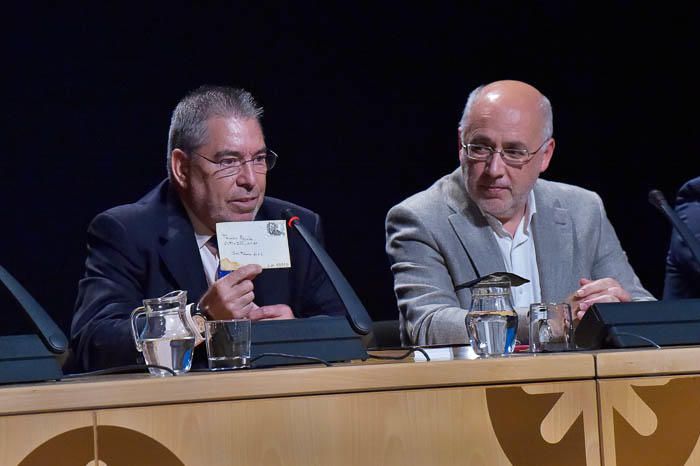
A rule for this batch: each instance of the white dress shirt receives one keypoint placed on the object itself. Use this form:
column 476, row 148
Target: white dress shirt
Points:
column 202, row 234
column 520, row 258
column 209, row 260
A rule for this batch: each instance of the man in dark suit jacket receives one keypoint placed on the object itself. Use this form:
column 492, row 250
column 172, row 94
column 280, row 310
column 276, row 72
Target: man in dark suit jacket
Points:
column 217, row 167
column 682, row 268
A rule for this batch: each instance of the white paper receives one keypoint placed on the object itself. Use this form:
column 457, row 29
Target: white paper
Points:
column 446, row 353
column 262, row 242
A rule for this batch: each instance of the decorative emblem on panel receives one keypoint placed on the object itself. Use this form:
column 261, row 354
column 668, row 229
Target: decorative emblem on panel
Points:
column 116, row 446
column 517, row 418
column 676, row 406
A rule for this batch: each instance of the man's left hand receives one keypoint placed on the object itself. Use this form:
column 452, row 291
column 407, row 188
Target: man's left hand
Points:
column 272, row 312
column 604, row 290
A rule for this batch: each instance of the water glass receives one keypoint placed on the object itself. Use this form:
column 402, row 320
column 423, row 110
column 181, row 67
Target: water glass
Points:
column 228, row 344
column 551, row 327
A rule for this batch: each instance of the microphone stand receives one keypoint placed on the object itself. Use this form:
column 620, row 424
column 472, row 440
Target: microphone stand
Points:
column 356, row 313
column 324, row 339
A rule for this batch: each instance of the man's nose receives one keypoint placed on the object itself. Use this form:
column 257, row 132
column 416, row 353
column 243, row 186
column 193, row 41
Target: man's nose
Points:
column 246, row 177
column 495, row 166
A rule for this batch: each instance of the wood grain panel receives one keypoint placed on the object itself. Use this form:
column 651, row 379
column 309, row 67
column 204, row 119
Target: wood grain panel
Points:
column 21, row 435
column 650, row 421
column 636, row 362
column 443, row 426
column 136, row 390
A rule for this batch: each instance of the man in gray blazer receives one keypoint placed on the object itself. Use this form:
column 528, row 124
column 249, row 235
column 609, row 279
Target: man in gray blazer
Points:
column 493, row 214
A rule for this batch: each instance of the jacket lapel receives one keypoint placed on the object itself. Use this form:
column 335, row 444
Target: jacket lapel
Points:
column 553, row 234
column 179, row 250
column 472, row 229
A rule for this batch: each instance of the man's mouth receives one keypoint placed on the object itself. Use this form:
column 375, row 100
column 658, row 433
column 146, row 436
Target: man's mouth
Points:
column 495, row 189
column 249, row 201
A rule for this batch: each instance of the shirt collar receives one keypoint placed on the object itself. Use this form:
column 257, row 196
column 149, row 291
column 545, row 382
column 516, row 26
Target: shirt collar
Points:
column 530, row 210
column 202, row 233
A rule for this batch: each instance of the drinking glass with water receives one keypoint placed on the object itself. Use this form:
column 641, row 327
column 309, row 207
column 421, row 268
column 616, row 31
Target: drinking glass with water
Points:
column 551, row 327
column 228, row 344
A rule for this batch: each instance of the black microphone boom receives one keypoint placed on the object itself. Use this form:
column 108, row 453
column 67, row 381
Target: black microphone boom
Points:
column 657, row 199
column 357, row 314
column 318, row 338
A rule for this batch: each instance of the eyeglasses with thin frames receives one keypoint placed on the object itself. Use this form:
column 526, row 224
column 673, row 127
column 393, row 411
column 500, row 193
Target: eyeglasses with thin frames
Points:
column 229, row 166
column 516, row 157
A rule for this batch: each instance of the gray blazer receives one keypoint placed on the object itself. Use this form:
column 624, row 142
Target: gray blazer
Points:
column 439, row 238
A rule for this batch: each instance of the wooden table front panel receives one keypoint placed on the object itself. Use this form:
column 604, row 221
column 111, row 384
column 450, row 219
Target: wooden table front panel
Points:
column 650, row 421
column 56, row 439
column 554, row 423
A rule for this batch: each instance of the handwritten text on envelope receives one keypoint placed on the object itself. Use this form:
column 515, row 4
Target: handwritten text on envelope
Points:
column 263, row 242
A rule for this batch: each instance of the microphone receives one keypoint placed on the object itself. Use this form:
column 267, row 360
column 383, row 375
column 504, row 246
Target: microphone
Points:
column 356, row 313
column 657, row 199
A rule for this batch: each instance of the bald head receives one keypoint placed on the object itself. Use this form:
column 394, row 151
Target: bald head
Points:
column 500, row 117
column 511, row 100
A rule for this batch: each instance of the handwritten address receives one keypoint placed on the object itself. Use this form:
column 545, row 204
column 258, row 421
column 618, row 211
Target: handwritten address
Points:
column 242, row 243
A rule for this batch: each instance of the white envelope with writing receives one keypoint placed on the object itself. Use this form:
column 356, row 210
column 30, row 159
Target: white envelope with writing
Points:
column 261, row 242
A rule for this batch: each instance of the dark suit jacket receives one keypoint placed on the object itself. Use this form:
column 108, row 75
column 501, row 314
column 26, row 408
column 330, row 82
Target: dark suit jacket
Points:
column 147, row 249
column 682, row 269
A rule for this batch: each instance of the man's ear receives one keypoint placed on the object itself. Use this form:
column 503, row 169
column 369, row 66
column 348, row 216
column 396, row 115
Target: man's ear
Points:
column 459, row 146
column 180, row 167
column 547, row 157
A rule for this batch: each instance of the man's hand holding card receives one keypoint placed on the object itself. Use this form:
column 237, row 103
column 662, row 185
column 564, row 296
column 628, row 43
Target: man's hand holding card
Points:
column 263, row 243
column 245, row 249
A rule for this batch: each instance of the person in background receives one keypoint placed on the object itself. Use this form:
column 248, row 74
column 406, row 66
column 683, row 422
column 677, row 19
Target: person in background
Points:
column 682, row 268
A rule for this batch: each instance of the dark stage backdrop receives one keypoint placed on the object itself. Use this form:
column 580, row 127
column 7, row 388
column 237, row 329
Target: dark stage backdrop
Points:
column 361, row 102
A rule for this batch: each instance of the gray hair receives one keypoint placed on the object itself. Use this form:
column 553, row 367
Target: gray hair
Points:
column 545, row 108
column 188, row 125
